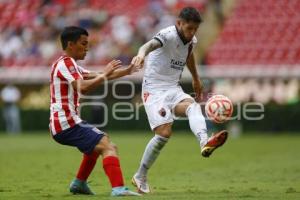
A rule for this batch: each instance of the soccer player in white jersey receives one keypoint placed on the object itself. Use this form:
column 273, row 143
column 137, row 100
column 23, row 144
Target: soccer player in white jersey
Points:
column 68, row 81
column 167, row 54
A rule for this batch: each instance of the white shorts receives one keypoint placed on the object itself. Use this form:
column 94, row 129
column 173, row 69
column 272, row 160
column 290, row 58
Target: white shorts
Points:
column 160, row 103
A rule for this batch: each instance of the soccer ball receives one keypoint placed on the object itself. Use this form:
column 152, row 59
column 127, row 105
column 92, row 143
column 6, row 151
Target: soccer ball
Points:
column 218, row 108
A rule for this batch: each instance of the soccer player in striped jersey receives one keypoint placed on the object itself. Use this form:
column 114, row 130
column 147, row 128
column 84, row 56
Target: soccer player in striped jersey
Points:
column 167, row 54
column 68, row 81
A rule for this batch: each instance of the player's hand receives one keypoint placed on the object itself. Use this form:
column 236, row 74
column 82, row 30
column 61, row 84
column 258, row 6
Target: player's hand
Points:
column 111, row 67
column 132, row 69
column 138, row 61
column 198, row 88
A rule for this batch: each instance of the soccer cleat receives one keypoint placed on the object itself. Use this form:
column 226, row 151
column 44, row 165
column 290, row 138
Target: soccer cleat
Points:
column 123, row 191
column 141, row 184
column 214, row 142
column 80, row 187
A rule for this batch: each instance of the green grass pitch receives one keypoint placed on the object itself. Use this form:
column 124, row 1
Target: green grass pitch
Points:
column 254, row 166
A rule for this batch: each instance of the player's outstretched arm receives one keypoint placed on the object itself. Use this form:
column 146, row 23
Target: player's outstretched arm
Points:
column 84, row 86
column 116, row 74
column 144, row 50
column 122, row 72
column 91, row 75
column 197, row 84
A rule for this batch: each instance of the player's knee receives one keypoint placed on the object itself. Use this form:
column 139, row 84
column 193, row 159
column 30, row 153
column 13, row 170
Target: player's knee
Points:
column 165, row 133
column 114, row 147
column 105, row 146
column 164, row 130
column 98, row 148
column 110, row 150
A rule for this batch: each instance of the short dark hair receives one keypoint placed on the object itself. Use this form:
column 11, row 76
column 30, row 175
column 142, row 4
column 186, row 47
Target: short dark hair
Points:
column 71, row 33
column 190, row 14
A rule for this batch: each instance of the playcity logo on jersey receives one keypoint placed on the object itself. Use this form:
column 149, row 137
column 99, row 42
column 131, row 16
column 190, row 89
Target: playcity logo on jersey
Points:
column 177, row 64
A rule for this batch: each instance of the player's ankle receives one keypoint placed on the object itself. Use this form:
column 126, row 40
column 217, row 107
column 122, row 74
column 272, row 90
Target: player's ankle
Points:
column 202, row 144
column 140, row 175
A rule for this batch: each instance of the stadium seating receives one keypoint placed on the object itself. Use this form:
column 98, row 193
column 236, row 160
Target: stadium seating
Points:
column 259, row 33
column 29, row 29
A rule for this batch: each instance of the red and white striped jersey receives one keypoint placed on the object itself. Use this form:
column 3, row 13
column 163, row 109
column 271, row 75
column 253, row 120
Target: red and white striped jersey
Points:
column 64, row 99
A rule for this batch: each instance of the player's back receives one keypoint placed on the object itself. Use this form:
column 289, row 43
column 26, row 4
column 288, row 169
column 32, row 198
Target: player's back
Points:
column 164, row 66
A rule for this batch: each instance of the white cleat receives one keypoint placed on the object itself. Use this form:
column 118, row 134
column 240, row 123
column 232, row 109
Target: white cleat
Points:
column 123, row 191
column 141, row 184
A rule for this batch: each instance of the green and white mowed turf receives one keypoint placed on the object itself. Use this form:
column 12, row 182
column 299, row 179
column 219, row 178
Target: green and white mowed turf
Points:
column 255, row 166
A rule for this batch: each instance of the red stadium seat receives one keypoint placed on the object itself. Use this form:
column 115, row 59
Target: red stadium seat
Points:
column 259, row 33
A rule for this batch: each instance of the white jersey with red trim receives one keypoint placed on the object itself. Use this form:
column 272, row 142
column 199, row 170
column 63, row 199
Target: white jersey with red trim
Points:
column 164, row 66
column 64, row 99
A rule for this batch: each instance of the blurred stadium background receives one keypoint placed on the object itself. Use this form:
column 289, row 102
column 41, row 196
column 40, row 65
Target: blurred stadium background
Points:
column 247, row 50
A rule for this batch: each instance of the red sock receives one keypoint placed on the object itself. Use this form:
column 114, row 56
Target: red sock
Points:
column 111, row 166
column 87, row 165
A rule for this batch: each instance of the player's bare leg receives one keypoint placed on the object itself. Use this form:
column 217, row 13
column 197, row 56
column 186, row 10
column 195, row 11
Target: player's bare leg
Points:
column 152, row 151
column 197, row 123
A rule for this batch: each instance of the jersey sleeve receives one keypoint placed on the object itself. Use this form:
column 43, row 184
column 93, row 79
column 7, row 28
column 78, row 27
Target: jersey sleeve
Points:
column 68, row 70
column 164, row 37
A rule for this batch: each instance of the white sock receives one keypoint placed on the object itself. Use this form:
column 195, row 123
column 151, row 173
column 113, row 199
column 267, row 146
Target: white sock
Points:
column 197, row 123
column 151, row 153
